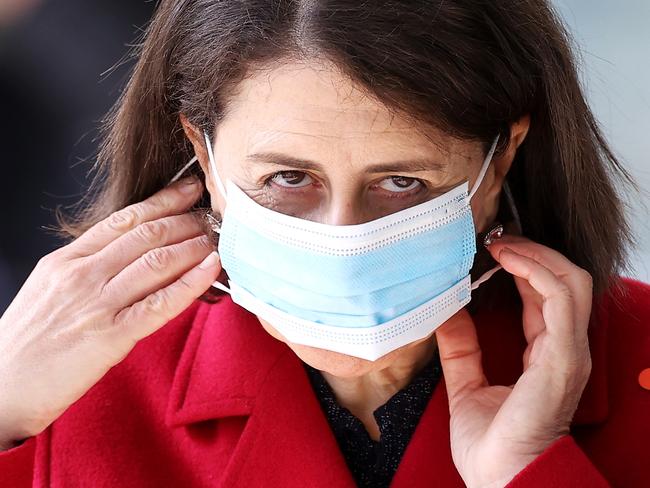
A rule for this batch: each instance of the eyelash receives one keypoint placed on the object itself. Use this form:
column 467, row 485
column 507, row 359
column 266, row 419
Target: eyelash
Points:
column 268, row 182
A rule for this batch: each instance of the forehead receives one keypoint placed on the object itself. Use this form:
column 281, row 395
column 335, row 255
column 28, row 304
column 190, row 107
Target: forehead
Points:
column 299, row 106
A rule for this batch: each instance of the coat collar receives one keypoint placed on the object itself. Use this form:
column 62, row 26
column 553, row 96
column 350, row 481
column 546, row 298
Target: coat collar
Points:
column 260, row 377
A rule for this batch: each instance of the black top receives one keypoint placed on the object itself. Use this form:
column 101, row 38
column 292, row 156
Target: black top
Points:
column 373, row 463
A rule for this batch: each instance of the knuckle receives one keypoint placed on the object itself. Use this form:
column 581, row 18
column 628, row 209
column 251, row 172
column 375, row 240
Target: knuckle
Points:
column 72, row 276
column 58, row 254
column 83, row 269
column 163, row 200
column 123, row 220
column 185, row 284
column 586, row 279
column 48, row 261
column 156, row 259
column 157, row 303
column 152, row 231
column 563, row 290
column 75, row 273
column 54, row 264
column 60, row 271
column 203, row 242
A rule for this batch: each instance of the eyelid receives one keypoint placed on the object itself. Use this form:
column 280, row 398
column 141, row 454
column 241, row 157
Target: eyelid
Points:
column 421, row 184
column 270, row 179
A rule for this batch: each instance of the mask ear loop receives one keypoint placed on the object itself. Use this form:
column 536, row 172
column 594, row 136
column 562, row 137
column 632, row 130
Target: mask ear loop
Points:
column 484, row 167
column 486, row 163
column 183, row 169
column 213, row 166
column 215, row 224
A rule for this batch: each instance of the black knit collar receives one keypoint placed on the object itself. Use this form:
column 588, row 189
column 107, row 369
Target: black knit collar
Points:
column 373, row 463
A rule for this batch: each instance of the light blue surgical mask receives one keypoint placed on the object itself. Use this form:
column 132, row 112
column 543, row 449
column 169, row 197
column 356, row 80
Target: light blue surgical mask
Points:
column 362, row 290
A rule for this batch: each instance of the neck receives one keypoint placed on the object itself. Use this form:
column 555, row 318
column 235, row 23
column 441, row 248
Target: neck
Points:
column 362, row 395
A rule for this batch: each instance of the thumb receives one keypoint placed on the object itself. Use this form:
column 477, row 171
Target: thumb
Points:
column 460, row 357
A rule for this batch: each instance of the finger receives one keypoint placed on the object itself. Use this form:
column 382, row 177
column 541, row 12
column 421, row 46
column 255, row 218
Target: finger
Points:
column 550, row 258
column 148, row 315
column 532, row 301
column 578, row 279
column 156, row 269
column 557, row 306
column 460, row 357
column 145, row 238
column 174, row 199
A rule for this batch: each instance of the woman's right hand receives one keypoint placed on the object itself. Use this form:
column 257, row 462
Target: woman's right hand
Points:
column 85, row 306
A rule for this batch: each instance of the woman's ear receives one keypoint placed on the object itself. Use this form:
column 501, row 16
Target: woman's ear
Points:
column 519, row 130
column 195, row 136
column 501, row 165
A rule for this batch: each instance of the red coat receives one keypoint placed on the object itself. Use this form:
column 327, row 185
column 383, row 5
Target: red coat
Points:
column 212, row 400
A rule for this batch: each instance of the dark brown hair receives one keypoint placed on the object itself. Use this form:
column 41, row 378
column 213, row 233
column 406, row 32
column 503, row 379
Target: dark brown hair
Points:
column 468, row 67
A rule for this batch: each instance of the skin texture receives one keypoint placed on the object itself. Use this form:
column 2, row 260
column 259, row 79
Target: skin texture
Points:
column 312, row 112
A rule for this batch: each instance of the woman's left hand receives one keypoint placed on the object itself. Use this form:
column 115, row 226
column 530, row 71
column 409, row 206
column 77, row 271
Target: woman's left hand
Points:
column 497, row 430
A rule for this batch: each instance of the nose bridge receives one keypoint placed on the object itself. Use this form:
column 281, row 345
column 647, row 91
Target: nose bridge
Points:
column 344, row 207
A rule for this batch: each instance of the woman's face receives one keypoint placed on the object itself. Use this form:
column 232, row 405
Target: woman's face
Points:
column 301, row 139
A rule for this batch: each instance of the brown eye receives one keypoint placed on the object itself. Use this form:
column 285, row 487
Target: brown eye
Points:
column 399, row 184
column 291, row 179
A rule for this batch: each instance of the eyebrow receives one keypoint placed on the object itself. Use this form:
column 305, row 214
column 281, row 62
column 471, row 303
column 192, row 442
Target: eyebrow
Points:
column 406, row 166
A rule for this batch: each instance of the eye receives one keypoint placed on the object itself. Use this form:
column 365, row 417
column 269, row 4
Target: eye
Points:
column 399, row 184
column 291, row 179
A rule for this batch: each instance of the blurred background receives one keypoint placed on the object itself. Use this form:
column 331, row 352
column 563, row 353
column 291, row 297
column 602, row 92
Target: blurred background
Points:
column 614, row 43
column 54, row 56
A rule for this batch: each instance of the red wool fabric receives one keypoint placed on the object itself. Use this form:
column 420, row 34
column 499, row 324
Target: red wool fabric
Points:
column 212, row 400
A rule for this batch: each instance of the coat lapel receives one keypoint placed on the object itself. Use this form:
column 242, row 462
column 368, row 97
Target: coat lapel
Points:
column 287, row 440
column 231, row 366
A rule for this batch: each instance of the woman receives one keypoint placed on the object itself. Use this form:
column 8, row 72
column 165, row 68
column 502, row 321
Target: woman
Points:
column 368, row 169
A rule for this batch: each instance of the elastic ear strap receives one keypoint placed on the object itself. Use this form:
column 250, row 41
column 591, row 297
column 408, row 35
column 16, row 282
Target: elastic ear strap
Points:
column 484, row 167
column 220, row 286
column 220, row 186
column 178, row 175
column 485, row 276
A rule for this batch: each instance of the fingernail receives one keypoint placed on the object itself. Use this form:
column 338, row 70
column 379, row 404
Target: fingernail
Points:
column 210, row 261
column 188, row 185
